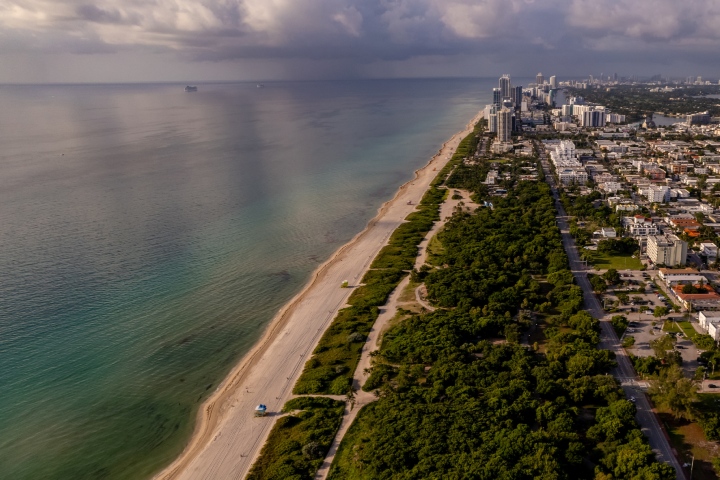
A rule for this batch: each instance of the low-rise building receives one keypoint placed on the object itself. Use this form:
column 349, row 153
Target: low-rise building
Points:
column 568, row 176
column 710, row 323
column 685, row 224
column 709, row 300
column 611, row 187
column 640, row 226
column 674, row 276
column 605, row 232
column 709, row 249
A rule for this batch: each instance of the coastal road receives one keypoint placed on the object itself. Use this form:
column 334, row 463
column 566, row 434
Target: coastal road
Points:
column 228, row 437
column 624, row 372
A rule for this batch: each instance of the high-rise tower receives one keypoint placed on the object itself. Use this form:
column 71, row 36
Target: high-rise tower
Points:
column 497, row 97
column 504, row 127
column 505, row 88
column 539, row 79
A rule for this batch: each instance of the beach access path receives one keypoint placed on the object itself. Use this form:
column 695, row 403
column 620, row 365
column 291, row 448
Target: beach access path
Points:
column 227, row 436
column 387, row 313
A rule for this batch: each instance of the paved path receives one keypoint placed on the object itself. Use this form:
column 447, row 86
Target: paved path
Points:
column 624, row 372
column 387, row 313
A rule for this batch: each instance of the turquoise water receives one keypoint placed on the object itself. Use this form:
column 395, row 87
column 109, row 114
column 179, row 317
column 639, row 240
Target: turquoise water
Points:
column 149, row 235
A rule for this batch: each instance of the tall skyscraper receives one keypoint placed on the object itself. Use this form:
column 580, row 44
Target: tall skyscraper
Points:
column 517, row 99
column 505, row 88
column 553, row 82
column 504, row 125
column 539, row 79
column 491, row 116
column 497, row 96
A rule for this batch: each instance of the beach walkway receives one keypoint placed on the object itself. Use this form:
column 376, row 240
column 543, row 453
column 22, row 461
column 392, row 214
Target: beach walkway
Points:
column 387, row 313
column 228, row 437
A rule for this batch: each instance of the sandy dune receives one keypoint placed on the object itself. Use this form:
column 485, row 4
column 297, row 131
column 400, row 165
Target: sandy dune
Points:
column 228, row 437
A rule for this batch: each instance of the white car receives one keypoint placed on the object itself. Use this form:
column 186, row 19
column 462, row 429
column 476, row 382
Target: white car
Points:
column 633, row 399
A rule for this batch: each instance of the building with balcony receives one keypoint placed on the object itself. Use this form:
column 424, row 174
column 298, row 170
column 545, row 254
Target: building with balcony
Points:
column 666, row 250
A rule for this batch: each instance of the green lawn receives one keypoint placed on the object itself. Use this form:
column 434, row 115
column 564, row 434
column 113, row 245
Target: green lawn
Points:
column 618, row 262
column 687, row 329
column 670, row 327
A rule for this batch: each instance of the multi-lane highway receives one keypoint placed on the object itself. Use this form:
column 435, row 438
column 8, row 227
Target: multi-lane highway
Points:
column 624, row 372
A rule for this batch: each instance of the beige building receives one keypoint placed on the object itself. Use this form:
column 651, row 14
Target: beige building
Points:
column 666, row 250
column 504, row 128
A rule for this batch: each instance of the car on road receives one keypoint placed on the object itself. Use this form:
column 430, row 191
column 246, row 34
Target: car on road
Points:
column 712, row 385
column 633, row 399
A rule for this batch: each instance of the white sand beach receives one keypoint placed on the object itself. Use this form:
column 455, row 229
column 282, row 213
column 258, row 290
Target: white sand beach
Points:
column 227, row 436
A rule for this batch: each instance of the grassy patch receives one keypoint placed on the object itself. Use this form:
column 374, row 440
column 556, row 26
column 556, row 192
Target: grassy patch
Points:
column 298, row 443
column 378, row 285
column 670, row 327
column 408, row 294
column 618, row 262
column 434, row 250
column 689, row 440
column 688, row 329
column 331, row 368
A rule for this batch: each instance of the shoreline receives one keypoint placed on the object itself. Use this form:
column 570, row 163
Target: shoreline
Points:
column 213, row 412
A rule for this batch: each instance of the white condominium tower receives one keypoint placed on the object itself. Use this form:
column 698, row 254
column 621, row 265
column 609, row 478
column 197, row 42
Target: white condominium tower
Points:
column 504, row 125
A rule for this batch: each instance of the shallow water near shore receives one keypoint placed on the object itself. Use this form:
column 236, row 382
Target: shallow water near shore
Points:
column 149, row 235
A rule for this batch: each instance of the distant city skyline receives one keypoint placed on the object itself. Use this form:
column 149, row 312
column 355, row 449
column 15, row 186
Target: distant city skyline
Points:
column 46, row 41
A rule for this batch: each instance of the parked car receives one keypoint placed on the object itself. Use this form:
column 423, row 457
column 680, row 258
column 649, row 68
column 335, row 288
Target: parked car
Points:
column 712, row 385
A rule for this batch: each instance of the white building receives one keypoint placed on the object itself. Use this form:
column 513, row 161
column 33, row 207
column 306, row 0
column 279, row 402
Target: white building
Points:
column 672, row 276
column 569, row 176
column 639, row 226
column 615, row 118
column 655, row 193
column 564, row 154
column 666, row 250
column 710, row 322
column 709, row 249
column 611, row 187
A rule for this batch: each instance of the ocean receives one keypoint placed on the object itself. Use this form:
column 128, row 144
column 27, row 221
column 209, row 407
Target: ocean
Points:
column 149, row 235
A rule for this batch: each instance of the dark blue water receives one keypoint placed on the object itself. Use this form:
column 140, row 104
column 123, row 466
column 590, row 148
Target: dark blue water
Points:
column 148, row 236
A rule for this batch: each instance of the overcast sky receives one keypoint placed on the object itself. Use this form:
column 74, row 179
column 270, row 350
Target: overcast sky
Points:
column 196, row 40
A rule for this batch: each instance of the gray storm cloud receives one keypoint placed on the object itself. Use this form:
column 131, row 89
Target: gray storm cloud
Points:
column 359, row 31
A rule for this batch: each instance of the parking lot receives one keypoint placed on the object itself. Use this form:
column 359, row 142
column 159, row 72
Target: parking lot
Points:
column 632, row 282
column 644, row 332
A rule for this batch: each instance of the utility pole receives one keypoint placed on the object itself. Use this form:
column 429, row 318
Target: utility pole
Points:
column 691, row 467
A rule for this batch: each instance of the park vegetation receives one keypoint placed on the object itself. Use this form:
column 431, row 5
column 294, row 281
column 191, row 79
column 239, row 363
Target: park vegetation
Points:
column 299, row 440
column 460, row 397
column 334, row 360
